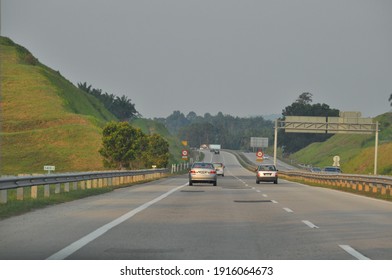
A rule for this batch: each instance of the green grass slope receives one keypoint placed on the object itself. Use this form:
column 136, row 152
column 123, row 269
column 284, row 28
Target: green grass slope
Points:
column 356, row 151
column 45, row 119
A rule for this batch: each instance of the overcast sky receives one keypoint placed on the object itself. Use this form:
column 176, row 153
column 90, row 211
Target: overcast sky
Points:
column 243, row 58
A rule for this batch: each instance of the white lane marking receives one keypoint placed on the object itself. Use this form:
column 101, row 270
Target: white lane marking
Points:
column 309, row 224
column 274, row 201
column 353, row 252
column 70, row 249
column 259, row 191
column 265, row 195
column 288, row 210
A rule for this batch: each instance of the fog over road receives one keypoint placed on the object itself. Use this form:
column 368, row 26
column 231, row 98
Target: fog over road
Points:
column 238, row 219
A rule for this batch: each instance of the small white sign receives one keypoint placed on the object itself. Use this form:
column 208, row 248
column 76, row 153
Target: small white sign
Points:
column 49, row 167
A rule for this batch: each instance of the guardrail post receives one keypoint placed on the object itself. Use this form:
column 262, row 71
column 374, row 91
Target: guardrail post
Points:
column 46, row 191
column 34, row 192
column 66, row 187
column 75, row 186
column 3, row 196
column 88, row 184
column 19, row 193
column 83, row 185
column 58, row 188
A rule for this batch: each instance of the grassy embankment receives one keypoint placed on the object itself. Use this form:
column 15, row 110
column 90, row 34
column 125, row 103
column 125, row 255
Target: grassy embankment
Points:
column 45, row 119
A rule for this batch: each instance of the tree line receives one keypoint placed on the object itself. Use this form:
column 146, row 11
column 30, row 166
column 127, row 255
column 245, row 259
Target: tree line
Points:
column 231, row 132
column 235, row 132
column 121, row 107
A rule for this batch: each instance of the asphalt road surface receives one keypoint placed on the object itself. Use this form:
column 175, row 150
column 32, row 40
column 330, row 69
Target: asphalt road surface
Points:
column 238, row 219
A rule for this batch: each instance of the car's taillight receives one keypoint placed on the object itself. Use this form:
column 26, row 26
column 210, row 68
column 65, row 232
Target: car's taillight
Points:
column 212, row 172
column 192, row 171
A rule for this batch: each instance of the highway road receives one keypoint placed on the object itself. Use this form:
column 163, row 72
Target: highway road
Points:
column 238, row 219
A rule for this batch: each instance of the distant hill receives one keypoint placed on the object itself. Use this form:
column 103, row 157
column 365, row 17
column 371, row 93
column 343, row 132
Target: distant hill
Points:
column 45, row 119
column 356, row 151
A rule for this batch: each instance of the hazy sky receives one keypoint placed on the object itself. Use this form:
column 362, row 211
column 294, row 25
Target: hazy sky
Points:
column 243, row 58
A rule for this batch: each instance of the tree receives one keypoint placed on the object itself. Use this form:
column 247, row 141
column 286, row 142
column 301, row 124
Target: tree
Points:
column 305, row 98
column 121, row 107
column 157, row 152
column 302, row 107
column 122, row 144
column 390, row 99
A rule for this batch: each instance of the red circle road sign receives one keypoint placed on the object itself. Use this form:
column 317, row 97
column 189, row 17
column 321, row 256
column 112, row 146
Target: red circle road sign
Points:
column 185, row 153
column 259, row 154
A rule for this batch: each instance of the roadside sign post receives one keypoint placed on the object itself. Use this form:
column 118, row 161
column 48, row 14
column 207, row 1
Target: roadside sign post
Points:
column 184, row 154
column 259, row 156
column 49, row 168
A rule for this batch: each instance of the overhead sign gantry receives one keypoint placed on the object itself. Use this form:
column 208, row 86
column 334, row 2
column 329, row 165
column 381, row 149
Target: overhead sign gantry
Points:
column 347, row 123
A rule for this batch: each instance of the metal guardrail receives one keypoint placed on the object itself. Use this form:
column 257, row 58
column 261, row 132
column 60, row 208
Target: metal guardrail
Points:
column 83, row 180
column 371, row 180
column 28, row 181
column 367, row 183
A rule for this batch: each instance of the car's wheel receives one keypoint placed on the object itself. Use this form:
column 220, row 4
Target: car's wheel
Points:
column 276, row 181
column 215, row 183
column 257, row 182
column 190, row 183
column 223, row 175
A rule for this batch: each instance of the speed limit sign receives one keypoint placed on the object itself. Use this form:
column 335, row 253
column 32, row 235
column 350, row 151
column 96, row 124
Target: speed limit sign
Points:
column 184, row 154
column 259, row 156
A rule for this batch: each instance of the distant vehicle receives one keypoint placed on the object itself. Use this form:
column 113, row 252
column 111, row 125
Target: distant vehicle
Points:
column 220, row 168
column 266, row 173
column 202, row 172
column 266, row 157
column 315, row 169
column 332, row 169
column 215, row 148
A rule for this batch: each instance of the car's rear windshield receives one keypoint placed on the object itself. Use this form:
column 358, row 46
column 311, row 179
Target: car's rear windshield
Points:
column 218, row 164
column 203, row 165
column 267, row 168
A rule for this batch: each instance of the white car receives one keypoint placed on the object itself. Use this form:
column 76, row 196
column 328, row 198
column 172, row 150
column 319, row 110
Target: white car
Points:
column 220, row 168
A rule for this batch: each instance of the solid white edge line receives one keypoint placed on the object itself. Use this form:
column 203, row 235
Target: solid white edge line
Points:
column 353, row 252
column 309, row 224
column 70, row 249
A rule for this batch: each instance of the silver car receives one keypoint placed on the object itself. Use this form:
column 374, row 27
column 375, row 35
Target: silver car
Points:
column 266, row 173
column 202, row 172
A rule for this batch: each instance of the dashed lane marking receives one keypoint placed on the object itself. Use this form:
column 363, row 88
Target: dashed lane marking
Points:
column 353, row 252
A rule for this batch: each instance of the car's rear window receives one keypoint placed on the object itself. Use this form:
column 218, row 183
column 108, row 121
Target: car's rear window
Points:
column 267, row 168
column 203, row 165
